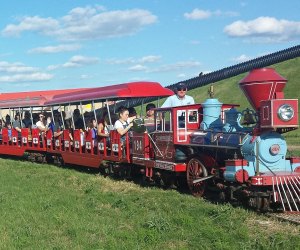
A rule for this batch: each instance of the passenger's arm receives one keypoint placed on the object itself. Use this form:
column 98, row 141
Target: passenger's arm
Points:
column 123, row 131
column 42, row 129
column 100, row 129
column 18, row 129
column 57, row 134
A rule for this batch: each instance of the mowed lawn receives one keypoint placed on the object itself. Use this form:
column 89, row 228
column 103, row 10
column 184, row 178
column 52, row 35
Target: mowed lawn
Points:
column 46, row 207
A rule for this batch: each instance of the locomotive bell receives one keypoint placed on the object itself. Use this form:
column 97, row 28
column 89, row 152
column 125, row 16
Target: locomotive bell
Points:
column 248, row 117
column 138, row 125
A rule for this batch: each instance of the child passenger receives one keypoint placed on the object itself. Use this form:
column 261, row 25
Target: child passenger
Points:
column 93, row 128
column 104, row 128
column 9, row 127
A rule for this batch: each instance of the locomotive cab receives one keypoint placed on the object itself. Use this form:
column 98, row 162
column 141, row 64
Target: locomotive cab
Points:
column 180, row 121
column 177, row 130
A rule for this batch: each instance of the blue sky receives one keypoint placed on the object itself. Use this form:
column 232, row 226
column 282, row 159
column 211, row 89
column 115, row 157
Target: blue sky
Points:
column 72, row 43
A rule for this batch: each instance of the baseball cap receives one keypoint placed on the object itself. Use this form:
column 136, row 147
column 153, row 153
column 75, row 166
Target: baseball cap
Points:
column 181, row 85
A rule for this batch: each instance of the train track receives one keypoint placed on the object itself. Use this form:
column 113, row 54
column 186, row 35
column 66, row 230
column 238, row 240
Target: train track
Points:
column 293, row 218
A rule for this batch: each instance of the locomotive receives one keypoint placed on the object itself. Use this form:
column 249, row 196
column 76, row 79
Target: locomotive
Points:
column 206, row 146
column 245, row 163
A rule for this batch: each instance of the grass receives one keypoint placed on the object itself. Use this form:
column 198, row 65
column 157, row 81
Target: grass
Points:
column 45, row 207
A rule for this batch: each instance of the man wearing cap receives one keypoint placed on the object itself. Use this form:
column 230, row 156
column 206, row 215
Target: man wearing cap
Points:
column 180, row 98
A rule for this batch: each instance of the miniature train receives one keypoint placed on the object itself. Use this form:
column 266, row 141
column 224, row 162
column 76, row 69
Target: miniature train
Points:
column 204, row 145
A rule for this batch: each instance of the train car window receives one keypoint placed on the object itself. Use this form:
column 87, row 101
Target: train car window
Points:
column 181, row 121
column 193, row 116
column 266, row 113
column 223, row 114
column 163, row 121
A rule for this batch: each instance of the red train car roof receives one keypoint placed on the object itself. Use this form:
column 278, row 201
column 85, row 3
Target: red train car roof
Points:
column 23, row 102
column 120, row 91
column 48, row 94
column 33, row 98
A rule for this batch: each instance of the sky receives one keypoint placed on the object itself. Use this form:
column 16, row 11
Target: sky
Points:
column 61, row 44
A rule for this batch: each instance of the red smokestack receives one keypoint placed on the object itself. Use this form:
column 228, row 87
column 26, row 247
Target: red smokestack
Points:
column 262, row 84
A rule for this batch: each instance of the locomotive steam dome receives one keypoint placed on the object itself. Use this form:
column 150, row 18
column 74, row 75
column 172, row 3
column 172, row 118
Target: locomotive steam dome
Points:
column 262, row 84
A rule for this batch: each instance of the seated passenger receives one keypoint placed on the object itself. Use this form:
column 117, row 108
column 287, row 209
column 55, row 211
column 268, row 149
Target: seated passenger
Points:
column 35, row 117
column 17, row 124
column 94, row 129
column 27, row 121
column 54, row 126
column 7, row 119
column 78, row 121
column 124, row 123
column 68, row 126
column 87, row 117
column 40, row 124
column 104, row 128
column 8, row 126
column 149, row 118
column 132, row 112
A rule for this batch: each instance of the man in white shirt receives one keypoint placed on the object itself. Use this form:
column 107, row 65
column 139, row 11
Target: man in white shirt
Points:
column 180, row 98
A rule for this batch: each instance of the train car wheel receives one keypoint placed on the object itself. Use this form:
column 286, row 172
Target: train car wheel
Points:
column 195, row 171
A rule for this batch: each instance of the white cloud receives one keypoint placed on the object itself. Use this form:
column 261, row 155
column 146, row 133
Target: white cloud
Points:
column 34, row 23
column 75, row 61
column 138, row 79
column 85, row 77
column 19, row 72
column 145, row 59
column 198, row 14
column 55, row 49
column 137, row 67
column 85, row 23
column 33, row 77
column 225, row 13
column 182, row 75
column 15, row 67
column 115, row 61
column 176, row 66
column 265, row 29
column 53, row 67
column 242, row 58
column 79, row 61
column 149, row 59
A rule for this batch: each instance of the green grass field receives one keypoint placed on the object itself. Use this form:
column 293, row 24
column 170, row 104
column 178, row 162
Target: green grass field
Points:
column 46, row 207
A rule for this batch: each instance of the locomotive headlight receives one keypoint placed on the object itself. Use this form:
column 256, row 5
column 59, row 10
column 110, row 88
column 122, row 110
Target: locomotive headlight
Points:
column 285, row 112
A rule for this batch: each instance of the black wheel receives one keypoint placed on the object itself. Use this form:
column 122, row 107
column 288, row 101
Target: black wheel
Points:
column 196, row 170
column 263, row 204
column 49, row 159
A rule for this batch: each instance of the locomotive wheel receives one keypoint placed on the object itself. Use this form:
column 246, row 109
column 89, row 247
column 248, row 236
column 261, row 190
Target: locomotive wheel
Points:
column 196, row 170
